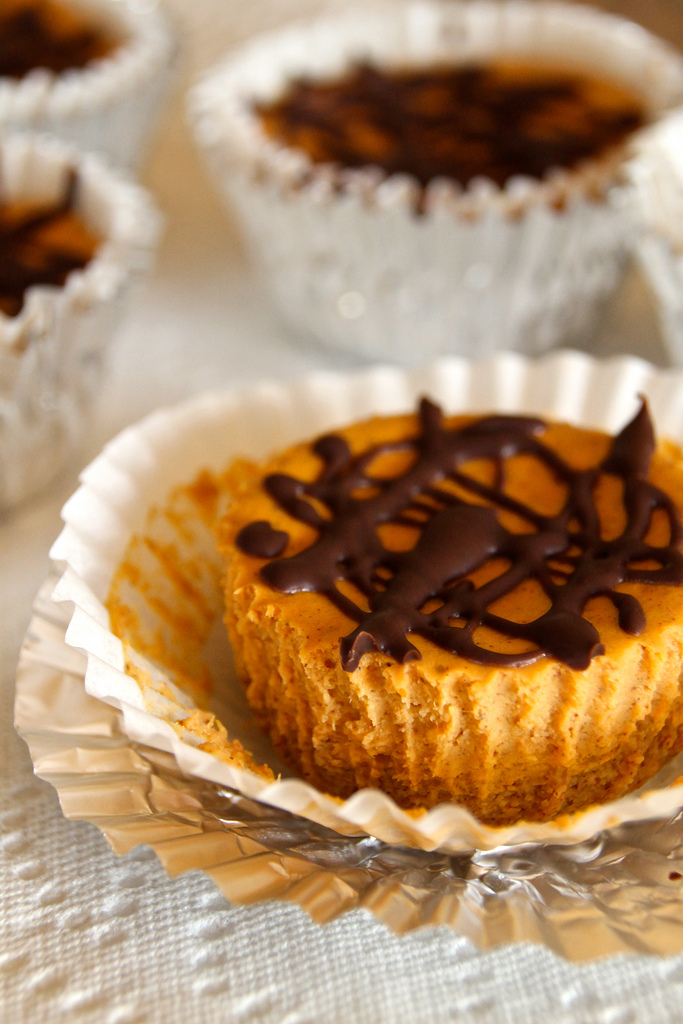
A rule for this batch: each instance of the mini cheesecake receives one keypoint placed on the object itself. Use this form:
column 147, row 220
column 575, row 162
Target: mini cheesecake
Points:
column 485, row 610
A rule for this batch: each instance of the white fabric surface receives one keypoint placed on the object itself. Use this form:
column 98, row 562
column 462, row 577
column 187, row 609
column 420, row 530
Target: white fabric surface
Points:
column 89, row 937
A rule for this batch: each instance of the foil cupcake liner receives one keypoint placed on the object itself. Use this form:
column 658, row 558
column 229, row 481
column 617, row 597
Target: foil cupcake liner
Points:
column 133, row 509
column 110, row 104
column 342, row 251
column 618, row 890
column 52, row 352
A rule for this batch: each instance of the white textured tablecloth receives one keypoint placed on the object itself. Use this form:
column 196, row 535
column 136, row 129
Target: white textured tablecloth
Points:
column 89, row 937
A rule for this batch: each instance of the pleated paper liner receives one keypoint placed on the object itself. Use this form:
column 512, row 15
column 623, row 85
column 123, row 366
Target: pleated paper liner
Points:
column 53, row 351
column 132, row 771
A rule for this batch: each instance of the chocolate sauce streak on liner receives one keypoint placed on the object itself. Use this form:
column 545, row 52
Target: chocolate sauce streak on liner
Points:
column 458, row 537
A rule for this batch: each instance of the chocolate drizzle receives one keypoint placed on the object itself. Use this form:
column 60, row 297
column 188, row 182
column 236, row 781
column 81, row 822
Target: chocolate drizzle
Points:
column 565, row 553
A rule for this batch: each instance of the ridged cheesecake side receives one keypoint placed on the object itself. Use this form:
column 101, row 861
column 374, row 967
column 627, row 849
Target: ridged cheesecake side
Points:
column 509, row 743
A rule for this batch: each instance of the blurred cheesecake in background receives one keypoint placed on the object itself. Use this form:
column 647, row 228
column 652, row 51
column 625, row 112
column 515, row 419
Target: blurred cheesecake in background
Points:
column 74, row 236
column 504, row 126
column 43, row 34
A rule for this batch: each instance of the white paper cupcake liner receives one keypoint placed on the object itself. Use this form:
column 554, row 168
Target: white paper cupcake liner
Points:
column 52, row 352
column 657, row 176
column 343, row 253
column 109, row 105
column 125, row 494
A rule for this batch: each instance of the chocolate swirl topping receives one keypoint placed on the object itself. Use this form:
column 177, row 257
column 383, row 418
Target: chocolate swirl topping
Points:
column 40, row 246
column 40, row 34
column 426, row 590
column 495, row 120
